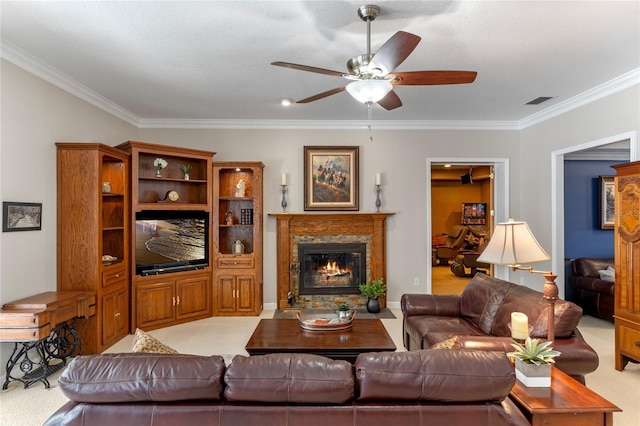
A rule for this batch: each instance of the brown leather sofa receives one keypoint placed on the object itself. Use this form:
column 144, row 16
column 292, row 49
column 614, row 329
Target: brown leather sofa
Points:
column 592, row 294
column 431, row 387
column 479, row 317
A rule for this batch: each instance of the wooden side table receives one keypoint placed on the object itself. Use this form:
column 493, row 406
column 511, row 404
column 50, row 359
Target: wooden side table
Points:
column 566, row 402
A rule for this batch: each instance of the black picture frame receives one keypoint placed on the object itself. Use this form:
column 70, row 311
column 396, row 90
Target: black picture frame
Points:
column 21, row 216
column 607, row 202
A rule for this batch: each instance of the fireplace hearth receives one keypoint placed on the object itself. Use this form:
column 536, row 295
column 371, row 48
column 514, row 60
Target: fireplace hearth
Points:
column 331, row 268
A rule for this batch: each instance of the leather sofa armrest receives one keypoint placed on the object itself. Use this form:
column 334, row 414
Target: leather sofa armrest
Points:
column 430, row 304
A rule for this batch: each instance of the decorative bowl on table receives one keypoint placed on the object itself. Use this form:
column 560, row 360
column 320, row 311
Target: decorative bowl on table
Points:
column 325, row 322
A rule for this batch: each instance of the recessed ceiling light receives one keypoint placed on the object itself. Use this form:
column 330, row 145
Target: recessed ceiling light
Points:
column 285, row 101
column 447, row 165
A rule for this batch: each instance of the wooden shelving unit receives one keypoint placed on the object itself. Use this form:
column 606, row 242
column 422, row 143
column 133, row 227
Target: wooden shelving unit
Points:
column 93, row 223
column 237, row 278
column 176, row 297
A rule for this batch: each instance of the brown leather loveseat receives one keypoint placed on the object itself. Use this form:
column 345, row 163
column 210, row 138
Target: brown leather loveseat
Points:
column 479, row 318
column 593, row 294
column 431, row 387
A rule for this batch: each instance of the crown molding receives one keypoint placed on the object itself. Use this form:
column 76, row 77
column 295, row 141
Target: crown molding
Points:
column 50, row 74
column 326, row 124
column 610, row 87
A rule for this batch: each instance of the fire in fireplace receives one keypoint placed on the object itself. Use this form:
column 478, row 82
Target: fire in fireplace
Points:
column 331, row 268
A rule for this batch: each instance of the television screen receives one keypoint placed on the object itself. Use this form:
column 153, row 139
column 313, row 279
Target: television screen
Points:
column 171, row 241
column 474, row 213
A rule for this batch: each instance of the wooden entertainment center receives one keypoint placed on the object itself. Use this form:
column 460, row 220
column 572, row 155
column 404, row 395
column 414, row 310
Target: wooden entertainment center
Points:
column 104, row 192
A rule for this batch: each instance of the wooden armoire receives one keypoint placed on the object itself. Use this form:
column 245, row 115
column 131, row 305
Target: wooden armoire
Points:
column 627, row 264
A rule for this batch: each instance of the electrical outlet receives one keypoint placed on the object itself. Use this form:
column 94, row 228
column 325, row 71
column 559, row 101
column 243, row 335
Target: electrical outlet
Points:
column 416, row 281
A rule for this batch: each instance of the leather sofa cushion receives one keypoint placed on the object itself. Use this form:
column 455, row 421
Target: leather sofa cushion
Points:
column 589, row 267
column 110, row 378
column 434, row 375
column 488, row 302
column 282, row 377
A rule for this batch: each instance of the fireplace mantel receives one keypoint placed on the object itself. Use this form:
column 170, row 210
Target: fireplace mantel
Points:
column 310, row 224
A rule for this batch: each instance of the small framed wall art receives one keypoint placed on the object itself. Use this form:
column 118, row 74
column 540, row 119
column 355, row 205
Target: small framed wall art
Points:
column 331, row 178
column 607, row 202
column 21, row 216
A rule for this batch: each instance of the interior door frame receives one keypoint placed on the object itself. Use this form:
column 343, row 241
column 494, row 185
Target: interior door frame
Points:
column 500, row 211
column 557, row 196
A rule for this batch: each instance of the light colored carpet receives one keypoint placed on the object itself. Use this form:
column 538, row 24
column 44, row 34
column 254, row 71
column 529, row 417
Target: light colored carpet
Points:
column 228, row 335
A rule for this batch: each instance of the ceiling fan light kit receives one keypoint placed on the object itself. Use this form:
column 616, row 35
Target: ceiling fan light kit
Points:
column 369, row 91
column 372, row 75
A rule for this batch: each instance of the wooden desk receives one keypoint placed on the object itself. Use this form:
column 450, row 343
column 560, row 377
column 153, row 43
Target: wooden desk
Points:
column 566, row 402
column 285, row 335
column 43, row 324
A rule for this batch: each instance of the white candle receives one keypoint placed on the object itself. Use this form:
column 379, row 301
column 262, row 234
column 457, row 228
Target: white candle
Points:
column 519, row 326
column 284, row 178
column 378, row 180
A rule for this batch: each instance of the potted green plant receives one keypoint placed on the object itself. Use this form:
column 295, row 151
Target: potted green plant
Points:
column 344, row 312
column 373, row 291
column 186, row 169
column 533, row 361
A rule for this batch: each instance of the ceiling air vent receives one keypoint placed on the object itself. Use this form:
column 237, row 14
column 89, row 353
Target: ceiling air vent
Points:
column 539, row 100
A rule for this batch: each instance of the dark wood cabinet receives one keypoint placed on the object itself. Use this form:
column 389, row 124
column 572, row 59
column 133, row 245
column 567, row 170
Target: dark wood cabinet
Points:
column 93, row 235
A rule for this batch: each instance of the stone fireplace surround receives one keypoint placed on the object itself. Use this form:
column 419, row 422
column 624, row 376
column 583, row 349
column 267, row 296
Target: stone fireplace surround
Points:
column 329, row 227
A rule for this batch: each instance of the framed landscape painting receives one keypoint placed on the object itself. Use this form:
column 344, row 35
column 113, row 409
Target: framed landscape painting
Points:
column 607, row 202
column 331, row 178
column 21, row 216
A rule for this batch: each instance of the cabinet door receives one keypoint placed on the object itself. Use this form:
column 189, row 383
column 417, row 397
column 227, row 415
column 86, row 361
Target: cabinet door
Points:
column 155, row 304
column 226, row 291
column 245, row 293
column 192, row 297
column 114, row 316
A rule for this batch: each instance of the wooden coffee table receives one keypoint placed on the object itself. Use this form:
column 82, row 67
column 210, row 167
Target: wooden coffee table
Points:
column 285, row 335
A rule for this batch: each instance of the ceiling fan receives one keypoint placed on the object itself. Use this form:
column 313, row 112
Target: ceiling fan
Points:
column 372, row 75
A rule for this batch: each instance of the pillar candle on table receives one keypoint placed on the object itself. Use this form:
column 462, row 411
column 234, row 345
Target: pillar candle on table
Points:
column 519, row 326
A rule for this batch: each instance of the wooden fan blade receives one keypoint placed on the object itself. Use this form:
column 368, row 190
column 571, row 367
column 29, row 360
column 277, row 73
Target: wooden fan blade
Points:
column 321, row 95
column 394, row 52
column 307, row 68
column 390, row 101
column 425, row 78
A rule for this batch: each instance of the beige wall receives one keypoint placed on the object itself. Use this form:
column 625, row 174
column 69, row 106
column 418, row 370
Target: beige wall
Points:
column 447, row 198
column 35, row 115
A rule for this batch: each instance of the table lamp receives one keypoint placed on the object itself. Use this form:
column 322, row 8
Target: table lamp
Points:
column 513, row 244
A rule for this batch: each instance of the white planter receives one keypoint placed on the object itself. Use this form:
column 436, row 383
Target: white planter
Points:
column 533, row 376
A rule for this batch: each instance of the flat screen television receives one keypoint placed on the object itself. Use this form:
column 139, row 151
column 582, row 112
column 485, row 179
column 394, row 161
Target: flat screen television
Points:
column 171, row 241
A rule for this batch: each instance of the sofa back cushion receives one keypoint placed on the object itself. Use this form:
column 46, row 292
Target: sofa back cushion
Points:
column 590, row 267
column 488, row 302
column 139, row 377
column 282, row 377
column 434, row 375
column 532, row 303
column 481, row 299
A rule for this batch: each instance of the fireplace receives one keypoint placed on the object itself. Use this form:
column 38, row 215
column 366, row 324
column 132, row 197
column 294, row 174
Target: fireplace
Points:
column 297, row 230
column 331, row 268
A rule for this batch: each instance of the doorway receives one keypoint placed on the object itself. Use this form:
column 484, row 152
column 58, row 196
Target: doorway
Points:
column 492, row 174
column 557, row 197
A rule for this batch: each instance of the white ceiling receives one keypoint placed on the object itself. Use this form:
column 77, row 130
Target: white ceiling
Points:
column 172, row 62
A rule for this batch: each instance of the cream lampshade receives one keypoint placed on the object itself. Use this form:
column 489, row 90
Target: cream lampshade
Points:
column 513, row 244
